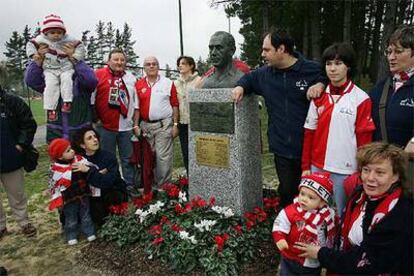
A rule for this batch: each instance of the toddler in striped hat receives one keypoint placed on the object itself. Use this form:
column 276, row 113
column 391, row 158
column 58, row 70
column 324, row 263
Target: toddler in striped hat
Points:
column 57, row 53
column 308, row 219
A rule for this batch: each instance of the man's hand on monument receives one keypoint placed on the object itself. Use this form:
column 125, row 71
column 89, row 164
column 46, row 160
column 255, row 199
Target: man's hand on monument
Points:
column 237, row 94
column 315, row 91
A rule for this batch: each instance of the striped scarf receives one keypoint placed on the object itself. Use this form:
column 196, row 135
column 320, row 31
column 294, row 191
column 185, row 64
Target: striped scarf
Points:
column 313, row 220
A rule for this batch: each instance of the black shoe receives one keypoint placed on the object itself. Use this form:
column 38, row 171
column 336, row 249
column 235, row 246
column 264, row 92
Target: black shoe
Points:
column 3, row 271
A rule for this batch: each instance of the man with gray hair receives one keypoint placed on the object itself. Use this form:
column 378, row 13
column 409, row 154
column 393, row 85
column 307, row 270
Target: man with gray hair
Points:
column 157, row 118
column 222, row 47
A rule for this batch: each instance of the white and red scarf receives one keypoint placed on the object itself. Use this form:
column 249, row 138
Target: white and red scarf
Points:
column 313, row 220
column 61, row 179
column 358, row 203
column 400, row 78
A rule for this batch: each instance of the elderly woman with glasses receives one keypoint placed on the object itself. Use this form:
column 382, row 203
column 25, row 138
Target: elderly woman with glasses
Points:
column 377, row 228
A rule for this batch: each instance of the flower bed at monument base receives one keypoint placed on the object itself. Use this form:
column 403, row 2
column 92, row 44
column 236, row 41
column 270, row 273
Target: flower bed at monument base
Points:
column 185, row 235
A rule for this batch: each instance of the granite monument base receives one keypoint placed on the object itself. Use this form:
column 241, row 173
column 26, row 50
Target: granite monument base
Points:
column 225, row 149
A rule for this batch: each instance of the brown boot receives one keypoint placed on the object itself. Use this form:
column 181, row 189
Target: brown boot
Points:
column 29, row 230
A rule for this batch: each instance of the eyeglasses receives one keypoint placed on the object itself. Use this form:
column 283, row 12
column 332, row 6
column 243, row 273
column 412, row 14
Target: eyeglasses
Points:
column 397, row 51
column 148, row 64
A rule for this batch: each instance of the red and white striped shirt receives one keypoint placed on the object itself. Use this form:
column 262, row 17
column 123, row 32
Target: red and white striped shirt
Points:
column 156, row 101
column 336, row 122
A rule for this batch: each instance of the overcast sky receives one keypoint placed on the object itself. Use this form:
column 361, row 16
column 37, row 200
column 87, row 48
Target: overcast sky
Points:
column 154, row 23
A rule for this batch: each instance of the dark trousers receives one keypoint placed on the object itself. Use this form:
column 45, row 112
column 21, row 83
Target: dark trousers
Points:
column 100, row 205
column 183, row 133
column 289, row 172
column 290, row 268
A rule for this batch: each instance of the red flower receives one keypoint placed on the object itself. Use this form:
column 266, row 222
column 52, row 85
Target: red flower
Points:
column 179, row 209
column 220, row 241
column 138, row 202
column 155, row 230
column 120, row 209
column 164, row 220
column 249, row 224
column 147, row 197
column 271, row 203
column 158, row 241
column 212, row 201
column 261, row 215
column 198, row 202
column 183, row 181
column 250, row 216
column 176, row 228
column 238, row 229
column 173, row 192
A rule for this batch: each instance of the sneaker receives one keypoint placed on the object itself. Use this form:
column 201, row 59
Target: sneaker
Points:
column 67, row 107
column 51, row 115
column 29, row 230
column 91, row 238
column 3, row 233
column 73, row 242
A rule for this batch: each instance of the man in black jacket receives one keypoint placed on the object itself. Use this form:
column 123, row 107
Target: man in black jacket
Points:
column 17, row 129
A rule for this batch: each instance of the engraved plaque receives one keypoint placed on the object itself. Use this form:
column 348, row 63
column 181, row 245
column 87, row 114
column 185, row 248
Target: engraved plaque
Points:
column 212, row 151
column 212, row 117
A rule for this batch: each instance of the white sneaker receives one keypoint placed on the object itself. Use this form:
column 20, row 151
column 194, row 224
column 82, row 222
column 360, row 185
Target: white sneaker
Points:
column 91, row 238
column 73, row 242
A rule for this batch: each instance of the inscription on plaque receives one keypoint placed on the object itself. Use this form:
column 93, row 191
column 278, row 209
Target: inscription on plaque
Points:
column 212, row 117
column 212, row 151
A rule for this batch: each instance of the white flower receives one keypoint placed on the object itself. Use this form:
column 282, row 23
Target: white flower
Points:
column 142, row 216
column 193, row 240
column 154, row 208
column 138, row 212
column 223, row 211
column 182, row 197
column 205, row 225
column 228, row 213
column 184, row 235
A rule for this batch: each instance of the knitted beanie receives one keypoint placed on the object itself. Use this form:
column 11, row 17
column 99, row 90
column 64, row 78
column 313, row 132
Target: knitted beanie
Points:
column 320, row 183
column 57, row 147
column 52, row 21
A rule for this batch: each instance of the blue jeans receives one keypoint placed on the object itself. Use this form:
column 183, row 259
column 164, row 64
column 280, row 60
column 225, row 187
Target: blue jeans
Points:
column 109, row 142
column 338, row 189
column 74, row 212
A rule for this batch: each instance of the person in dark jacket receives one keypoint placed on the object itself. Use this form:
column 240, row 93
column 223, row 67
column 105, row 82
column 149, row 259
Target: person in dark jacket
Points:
column 377, row 228
column 66, row 124
column 104, row 178
column 17, row 130
column 283, row 83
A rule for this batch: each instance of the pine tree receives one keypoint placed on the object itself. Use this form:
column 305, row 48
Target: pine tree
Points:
column 202, row 66
column 26, row 37
column 100, row 42
column 109, row 37
column 128, row 46
column 118, row 39
column 93, row 59
column 15, row 63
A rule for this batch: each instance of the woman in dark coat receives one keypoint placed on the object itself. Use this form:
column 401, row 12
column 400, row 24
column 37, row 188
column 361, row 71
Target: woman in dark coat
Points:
column 377, row 228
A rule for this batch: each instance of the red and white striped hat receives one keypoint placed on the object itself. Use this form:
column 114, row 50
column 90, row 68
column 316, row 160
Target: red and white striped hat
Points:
column 52, row 21
column 320, row 183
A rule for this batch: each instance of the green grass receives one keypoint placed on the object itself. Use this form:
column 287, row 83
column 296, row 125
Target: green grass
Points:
column 36, row 105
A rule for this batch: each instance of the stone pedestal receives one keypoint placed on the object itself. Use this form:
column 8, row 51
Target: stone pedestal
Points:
column 225, row 150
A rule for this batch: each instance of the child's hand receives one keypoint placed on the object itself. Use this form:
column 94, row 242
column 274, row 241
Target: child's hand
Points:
column 80, row 167
column 282, row 245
